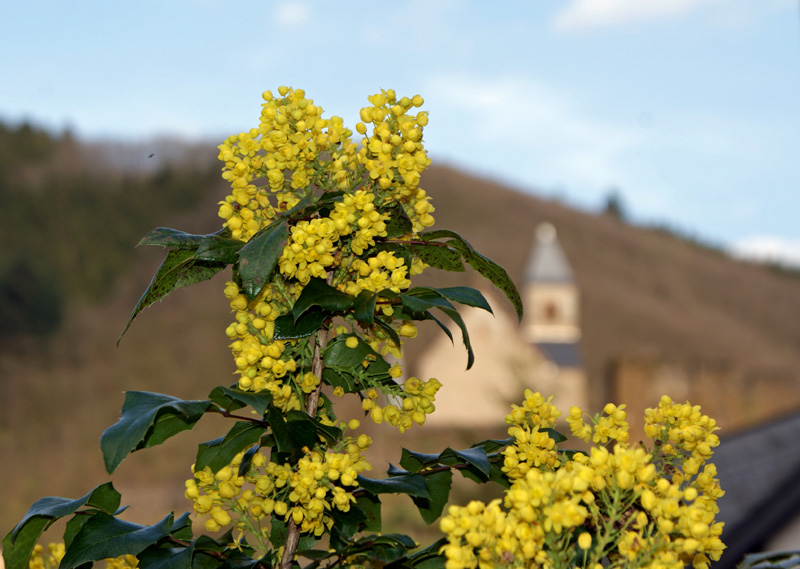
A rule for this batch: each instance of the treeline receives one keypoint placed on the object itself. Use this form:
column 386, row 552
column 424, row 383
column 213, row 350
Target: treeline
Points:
column 69, row 222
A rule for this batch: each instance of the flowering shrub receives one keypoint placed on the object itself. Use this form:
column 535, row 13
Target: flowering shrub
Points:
column 323, row 234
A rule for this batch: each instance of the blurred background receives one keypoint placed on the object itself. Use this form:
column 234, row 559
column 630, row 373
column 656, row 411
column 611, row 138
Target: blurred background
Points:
column 633, row 165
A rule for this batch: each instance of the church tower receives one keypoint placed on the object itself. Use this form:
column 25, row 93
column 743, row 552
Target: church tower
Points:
column 552, row 316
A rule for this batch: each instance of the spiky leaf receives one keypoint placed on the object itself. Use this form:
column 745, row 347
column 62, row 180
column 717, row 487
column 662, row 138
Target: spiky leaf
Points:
column 147, row 419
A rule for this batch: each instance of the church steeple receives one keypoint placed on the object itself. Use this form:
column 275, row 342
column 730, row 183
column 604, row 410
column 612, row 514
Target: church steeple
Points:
column 551, row 294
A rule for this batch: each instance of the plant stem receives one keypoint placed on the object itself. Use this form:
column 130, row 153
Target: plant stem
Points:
column 293, row 532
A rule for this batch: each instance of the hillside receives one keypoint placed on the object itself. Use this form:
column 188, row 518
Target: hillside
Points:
column 642, row 291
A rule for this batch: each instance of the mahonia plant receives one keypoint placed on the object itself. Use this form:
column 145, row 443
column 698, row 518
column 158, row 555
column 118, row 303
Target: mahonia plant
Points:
column 323, row 234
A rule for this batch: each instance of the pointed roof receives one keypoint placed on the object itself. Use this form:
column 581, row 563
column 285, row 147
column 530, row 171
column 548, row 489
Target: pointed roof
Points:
column 547, row 262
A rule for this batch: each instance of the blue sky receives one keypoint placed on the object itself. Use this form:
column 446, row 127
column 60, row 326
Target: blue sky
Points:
column 688, row 107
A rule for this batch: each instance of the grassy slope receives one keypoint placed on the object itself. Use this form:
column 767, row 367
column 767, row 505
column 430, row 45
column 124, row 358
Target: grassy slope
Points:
column 641, row 290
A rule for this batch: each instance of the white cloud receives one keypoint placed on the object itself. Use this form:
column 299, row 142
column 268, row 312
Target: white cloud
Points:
column 511, row 120
column 768, row 249
column 583, row 15
column 292, row 14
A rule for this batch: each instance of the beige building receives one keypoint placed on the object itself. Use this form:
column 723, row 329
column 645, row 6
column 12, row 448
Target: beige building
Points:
column 541, row 354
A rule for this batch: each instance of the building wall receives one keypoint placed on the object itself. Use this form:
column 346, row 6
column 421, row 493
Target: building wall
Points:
column 505, row 365
column 736, row 398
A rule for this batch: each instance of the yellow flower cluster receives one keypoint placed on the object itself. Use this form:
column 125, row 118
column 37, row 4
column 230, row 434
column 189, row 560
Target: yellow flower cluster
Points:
column 394, row 155
column 611, row 508
column 285, row 151
column 533, row 446
column 262, row 363
column 306, row 492
column 415, row 403
column 611, row 426
column 56, row 551
column 51, row 560
column 295, row 153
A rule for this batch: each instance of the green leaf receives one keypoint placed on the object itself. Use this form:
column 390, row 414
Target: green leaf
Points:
column 17, row 549
column 398, row 223
column 439, row 256
column 45, row 510
column 347, row 381
column 474, row 456
column 147, row 419
column 231, row 399
column 319, row 293
column 429, row 558
column 166, row 237
column 389, row 331
column 218, row 453
column 364, row 307
column 438, row 484
column 292, row 431
column 464, row 295
column 339, row 356
column 419, row 301
column 286, row 328
column 106, row 536
column 220, row 249
column 259, row 257
column 166, row 557
column 182, row 527
column 179, row 269
column 416, row 461
column 411, row 484
column 493, row 445
column 370, row 504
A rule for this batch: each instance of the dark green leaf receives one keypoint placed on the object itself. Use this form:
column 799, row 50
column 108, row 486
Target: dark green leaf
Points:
column 416, row 461
column 218, row 453
column 493, row 445
column 339, row 356
column 364, row 307
column 456, row 317
column 220, row 249
column 411, row 484
column 103, row 497
column 465, row 295
column 18, row 544
column 438, row 484
column 166, row 557
column 74, row 525
column 182, row 527
column 439, row 256
column 106, row 536
column 179, row 269
column 225, row 397
column 418, row 301
column 147, row 419
column 287, row 329
column 259, row 257
column 166, row 237
column 474, row 456
column 390, row 332
column 346, row 381
column 429, row 558
column 398, row 223
column 319, row 293
column 292, row 431
column 370, row 504
column 247, row 460
column 346, row 524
